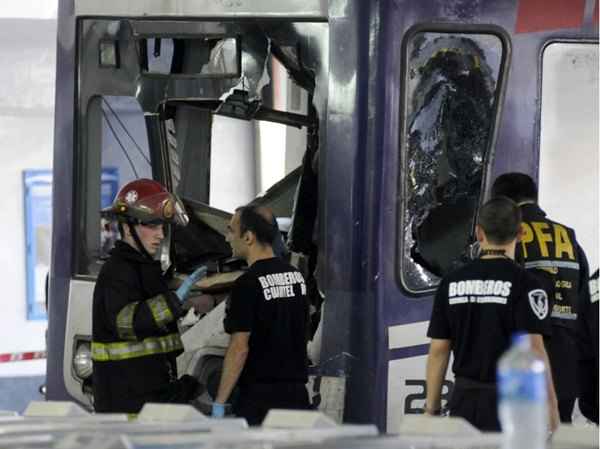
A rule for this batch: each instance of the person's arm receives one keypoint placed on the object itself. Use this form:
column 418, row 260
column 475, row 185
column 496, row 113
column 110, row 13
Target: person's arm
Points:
column 439, row 349
column 130, row 317
column 437, row 364
column 238, row 322
column 235, row 359
column 537, row 345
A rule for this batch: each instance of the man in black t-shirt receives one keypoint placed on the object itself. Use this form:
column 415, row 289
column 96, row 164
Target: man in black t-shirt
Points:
column 267, row 318
column 476, row 310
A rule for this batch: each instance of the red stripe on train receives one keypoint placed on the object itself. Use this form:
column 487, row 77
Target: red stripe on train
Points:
column 542, row 15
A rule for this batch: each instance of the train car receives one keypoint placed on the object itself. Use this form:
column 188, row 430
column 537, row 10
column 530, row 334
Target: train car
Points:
column 385, row 121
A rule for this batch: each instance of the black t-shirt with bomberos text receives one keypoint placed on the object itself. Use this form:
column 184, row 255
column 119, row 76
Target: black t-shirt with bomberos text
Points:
column 480, row 306
column 269, row 301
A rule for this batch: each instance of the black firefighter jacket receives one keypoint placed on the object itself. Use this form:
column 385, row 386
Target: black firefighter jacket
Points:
column 134, row 336
column 550, row 251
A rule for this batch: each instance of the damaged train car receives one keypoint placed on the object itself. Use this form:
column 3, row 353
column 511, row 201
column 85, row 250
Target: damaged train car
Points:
column 371, row 128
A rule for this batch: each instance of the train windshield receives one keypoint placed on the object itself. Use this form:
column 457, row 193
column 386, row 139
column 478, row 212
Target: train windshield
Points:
column 208, row 110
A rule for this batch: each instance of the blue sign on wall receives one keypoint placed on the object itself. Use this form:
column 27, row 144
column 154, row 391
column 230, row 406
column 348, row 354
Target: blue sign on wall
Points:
column 110, row 185
column 38, row 231
column 38, row 235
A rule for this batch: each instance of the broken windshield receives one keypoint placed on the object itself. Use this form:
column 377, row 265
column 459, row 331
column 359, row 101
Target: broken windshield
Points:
column 451, row 84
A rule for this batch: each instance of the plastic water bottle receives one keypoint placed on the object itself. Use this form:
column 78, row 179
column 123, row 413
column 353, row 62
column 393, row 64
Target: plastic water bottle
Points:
column 522, row 404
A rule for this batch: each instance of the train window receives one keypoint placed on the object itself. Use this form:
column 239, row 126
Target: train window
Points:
column 568, row 172
column 451, row 84
column 116, row 153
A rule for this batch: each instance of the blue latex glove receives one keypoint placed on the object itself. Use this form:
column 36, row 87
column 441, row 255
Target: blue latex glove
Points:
column 218, row 410
column 184, row 289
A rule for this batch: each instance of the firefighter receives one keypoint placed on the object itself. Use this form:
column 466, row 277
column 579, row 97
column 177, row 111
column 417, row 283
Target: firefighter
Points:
column 267, row 317
column 134, row 332
column 476, row 310
column 550, row 251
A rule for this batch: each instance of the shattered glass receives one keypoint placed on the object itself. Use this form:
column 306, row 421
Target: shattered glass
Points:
column 451, row 92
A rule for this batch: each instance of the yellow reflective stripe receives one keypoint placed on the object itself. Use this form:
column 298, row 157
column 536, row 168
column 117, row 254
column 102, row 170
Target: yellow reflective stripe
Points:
column 123, row 350
column 125, row 322
column 160, row 310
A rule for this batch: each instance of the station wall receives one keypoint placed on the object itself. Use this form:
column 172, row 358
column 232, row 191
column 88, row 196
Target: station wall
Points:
column 27, row 74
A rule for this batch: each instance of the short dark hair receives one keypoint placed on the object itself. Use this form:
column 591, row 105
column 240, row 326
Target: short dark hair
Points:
column 259, row 221
column 516, row 186
column 500, row 218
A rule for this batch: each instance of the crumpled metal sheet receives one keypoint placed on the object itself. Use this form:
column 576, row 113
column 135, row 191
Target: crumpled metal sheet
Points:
column 451, row 86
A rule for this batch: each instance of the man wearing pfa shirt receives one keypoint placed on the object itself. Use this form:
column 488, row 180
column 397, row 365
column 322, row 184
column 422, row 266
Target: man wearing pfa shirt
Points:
column 476, row 310
column 267, row 319
column 550, row 251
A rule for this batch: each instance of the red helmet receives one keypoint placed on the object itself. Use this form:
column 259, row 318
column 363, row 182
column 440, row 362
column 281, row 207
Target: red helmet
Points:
column 146, row 201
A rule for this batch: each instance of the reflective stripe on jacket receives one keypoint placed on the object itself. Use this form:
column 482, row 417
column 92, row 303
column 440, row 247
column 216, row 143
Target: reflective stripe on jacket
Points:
column 159, row 308
column 123, row 350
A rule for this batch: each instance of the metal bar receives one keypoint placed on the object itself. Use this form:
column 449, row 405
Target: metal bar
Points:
column 286, row 118
column 157, row 142
column 314, row 10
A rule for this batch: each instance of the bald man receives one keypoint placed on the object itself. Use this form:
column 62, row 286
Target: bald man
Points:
column 267, row 318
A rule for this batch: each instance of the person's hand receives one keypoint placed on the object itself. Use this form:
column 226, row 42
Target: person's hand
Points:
column 432, row 412
column 184, row 289
column 218, row 410
column 200, row 303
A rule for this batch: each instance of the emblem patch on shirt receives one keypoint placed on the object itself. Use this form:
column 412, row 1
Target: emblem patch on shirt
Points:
column 538, row 300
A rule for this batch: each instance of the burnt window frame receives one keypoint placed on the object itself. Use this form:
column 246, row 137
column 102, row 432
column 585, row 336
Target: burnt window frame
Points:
column 501, row 85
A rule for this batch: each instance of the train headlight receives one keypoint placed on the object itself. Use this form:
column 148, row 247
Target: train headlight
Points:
column 82, row 362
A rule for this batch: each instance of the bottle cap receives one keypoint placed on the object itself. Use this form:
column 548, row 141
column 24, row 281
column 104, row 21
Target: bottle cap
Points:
column 520, row 339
